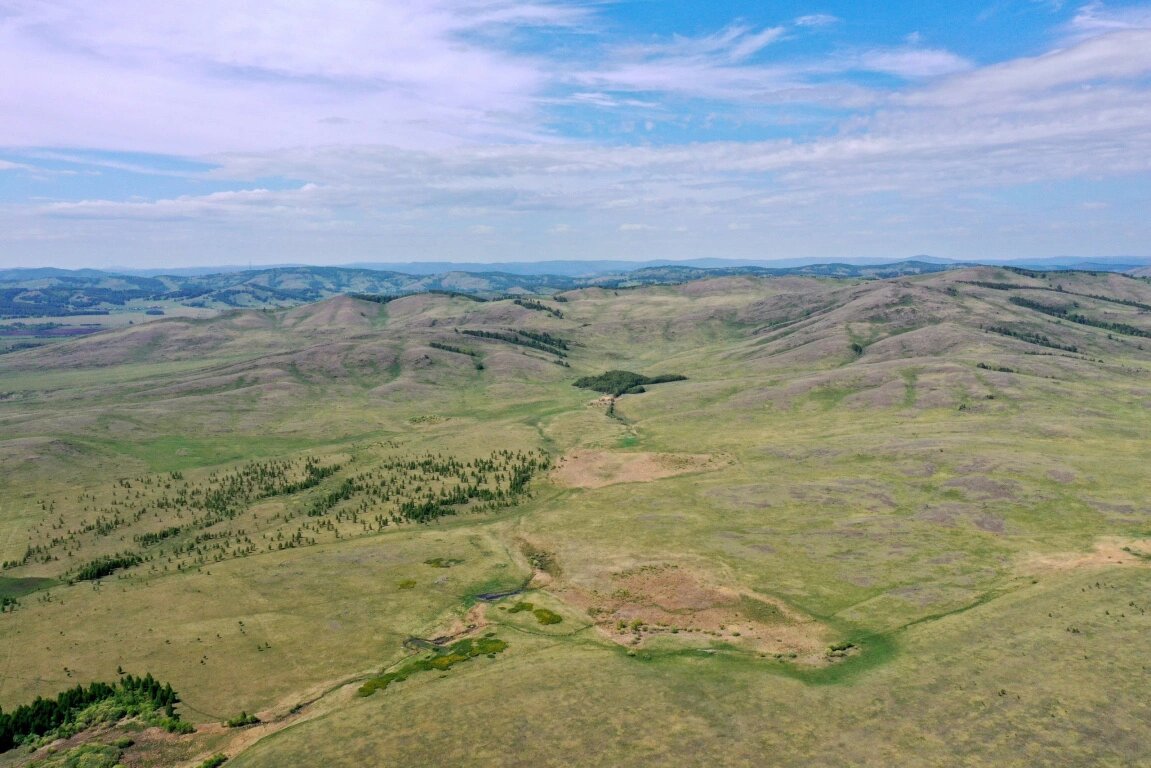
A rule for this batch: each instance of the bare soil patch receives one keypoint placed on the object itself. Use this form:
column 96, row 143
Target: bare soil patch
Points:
column 596, row 469
column 640, row 605
column 1108, row 551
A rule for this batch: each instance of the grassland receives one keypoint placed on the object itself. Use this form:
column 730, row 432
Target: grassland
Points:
column 865, row 530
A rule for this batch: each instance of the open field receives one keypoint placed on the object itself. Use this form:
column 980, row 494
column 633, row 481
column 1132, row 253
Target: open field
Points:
column 898, row 522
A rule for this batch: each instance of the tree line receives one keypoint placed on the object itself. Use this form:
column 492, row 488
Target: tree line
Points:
column 1067, row 313
column 130, row 696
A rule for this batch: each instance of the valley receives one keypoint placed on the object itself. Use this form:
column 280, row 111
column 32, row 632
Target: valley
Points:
column 831, row 520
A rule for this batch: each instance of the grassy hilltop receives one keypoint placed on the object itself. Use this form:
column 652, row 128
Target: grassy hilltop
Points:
column 876, row 522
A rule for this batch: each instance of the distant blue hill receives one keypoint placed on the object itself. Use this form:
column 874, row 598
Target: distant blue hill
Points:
column 45, row 292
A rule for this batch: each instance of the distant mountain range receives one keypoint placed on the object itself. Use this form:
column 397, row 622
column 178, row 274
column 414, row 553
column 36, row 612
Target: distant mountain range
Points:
column 57, row 292
column 594, row 268
column 45, row 292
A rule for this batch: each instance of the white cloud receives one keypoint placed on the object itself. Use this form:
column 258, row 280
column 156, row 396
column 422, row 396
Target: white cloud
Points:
column 1118, row 56
column 913, row 63
column 817, row 20
column 168, row 77
column 1095, row 18
column 242, row 204
column 753, row 43
column 710, row 66
column 942, row 143
column 719, row 67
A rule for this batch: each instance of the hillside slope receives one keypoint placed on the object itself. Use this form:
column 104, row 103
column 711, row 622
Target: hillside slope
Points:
column 876, row 522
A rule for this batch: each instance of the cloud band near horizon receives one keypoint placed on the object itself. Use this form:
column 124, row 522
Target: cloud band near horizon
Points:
column 494, row 130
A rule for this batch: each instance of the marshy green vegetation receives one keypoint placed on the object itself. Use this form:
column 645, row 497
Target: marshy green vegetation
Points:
column 873, row 522
column 440, row 660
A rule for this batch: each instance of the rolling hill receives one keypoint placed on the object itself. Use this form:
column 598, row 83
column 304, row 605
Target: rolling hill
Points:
column 853, row 520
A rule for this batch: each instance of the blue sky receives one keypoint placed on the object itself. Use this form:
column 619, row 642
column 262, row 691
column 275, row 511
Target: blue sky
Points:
column 144, row 134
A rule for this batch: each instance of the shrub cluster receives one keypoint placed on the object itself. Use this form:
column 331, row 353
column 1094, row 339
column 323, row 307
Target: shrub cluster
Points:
column 539, row 307
column 80, row 707
column 618, row 383
column 441, row 660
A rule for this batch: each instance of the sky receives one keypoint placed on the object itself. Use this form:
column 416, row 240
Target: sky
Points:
column 146, row 134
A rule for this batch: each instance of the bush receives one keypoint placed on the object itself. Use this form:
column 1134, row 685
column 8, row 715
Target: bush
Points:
column 172, row 725
column 105, row 566
column 544, row 616
column 241, row 720
column 84, row 756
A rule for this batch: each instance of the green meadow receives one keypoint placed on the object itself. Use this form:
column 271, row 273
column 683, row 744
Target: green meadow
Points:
column 878, row 522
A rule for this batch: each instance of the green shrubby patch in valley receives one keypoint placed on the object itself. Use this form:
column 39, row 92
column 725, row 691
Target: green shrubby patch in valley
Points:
column 543, row 615
column 546, row 616
column 617, row 383
column 242, row 720
column 442, row 659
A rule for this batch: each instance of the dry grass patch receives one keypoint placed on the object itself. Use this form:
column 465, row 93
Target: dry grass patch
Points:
column 596, row 469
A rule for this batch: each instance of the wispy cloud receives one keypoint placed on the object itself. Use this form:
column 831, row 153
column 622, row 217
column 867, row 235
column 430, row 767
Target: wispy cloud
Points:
column 1097, row 17
column 732, row 44
column 1115, row 57
column 736, row 65
column 709, row 66
column 913, row 63
column 243, row 204
column 817, row 20
column 269, row 72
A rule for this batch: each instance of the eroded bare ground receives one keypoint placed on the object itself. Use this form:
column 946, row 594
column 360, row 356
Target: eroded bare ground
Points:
column 1108, row 551
column 663, row 602
column 590, row 468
